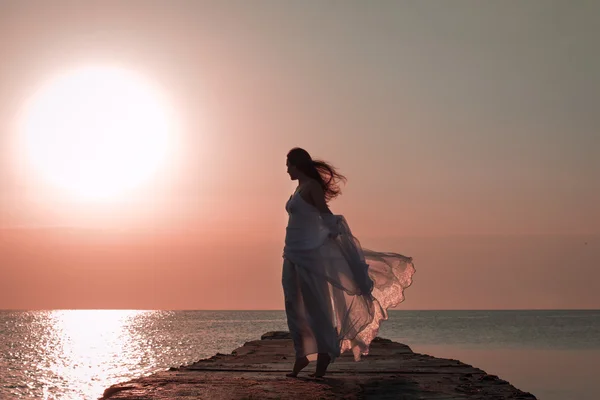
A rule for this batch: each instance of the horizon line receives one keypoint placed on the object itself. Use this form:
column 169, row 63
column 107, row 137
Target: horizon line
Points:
column 282, row 310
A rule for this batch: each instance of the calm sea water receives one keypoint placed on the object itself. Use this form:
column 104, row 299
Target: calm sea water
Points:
column 76, row 354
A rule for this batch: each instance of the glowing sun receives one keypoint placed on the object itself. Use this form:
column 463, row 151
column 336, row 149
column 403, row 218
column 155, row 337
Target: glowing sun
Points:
column 97, row 132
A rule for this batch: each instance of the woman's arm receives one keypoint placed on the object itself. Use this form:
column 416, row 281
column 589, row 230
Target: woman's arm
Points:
column 317, row 197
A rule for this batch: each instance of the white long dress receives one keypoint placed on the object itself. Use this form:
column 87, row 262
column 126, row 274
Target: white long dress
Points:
column 336, row 293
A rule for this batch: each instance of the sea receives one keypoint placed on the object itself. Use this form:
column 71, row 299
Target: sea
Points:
column 76, row 354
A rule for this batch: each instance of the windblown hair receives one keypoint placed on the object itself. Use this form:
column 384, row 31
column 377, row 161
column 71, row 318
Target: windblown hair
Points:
column 319, row 170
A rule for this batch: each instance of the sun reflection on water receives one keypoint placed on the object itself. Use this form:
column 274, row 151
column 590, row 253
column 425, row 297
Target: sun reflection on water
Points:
column 77, row 354
column 90, row 349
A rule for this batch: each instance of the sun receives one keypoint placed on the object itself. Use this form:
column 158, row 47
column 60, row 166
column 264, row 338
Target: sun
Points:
column 97, row 132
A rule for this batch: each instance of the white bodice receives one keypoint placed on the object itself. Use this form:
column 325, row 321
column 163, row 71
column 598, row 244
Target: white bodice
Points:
column 305, row 229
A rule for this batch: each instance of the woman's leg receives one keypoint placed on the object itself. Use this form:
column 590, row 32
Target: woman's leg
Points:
column 317, row 296
column 318, row 302
column 323, row 361
column 299, row 328
column 299, row 365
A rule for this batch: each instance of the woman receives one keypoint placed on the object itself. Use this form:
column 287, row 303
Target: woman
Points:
column 336, row 293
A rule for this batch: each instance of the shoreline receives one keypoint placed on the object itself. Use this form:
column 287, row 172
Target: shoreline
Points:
column 257, row 370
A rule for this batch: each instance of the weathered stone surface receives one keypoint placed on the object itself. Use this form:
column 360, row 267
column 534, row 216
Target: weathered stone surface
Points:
column 276, row 335
column 257, row 371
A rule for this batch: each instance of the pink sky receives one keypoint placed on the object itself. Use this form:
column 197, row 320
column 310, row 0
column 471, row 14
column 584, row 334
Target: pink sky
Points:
column 470, row 141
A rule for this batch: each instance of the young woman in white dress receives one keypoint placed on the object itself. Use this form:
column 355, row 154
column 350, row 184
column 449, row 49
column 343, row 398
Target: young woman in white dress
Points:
column 336, row 292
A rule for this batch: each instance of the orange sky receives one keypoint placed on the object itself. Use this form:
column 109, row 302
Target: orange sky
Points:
column 470, row 141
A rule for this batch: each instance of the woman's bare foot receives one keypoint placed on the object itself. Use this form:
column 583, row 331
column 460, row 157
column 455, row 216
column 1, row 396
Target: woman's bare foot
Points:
column 323, row 361
column 299, row 365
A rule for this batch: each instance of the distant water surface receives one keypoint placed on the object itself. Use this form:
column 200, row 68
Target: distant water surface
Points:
column 76, row 354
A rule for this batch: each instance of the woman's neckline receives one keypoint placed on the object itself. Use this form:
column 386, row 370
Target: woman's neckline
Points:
column 299, row 189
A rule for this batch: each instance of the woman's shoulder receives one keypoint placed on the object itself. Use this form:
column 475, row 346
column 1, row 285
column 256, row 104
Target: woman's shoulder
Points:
column 313, row 186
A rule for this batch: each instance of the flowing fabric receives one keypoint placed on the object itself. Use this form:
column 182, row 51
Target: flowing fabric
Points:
column 336, row 293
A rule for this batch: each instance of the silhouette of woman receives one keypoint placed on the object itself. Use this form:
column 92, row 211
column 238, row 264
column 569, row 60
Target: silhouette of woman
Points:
column 336, row 293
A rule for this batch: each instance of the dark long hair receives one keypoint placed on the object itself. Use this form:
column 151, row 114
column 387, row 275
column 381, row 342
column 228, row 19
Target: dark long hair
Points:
column 319, row 170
